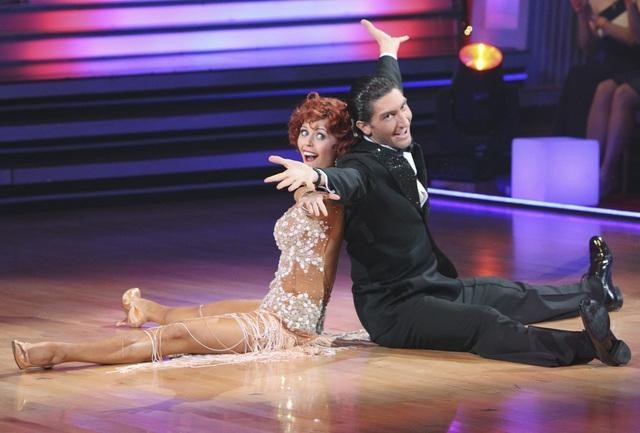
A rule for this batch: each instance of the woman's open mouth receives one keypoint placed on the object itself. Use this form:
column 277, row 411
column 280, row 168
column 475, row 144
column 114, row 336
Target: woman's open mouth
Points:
column 309, row 156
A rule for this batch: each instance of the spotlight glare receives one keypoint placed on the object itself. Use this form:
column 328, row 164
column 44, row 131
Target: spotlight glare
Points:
column 480, row 56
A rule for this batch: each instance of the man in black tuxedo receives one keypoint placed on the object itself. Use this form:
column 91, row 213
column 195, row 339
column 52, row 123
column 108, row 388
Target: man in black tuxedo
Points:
column 406, row 291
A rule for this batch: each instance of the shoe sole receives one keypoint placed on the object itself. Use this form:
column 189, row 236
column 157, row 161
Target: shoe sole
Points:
column 620, row 355
column 618, row 305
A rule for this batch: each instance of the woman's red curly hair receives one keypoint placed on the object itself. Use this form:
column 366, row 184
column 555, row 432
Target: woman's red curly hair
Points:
column 316, row 107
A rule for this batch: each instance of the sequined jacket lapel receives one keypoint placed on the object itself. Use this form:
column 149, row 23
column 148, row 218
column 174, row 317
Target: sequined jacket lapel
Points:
column 399, row 168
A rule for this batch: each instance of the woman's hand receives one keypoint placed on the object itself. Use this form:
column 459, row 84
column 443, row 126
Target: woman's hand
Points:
column 600, row 21
column 312, row 202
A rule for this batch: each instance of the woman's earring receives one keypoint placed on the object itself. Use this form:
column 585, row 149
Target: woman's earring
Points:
column 354, row 130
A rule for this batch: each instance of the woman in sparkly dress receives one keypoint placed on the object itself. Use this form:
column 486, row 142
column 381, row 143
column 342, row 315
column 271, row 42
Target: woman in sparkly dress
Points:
column 292, row 312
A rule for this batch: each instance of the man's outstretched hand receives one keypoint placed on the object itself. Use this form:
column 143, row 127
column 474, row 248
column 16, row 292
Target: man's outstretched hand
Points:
column 387, row 43
column 295, row 175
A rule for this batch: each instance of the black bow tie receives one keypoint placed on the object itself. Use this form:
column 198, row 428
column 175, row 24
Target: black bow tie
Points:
column 408, row 149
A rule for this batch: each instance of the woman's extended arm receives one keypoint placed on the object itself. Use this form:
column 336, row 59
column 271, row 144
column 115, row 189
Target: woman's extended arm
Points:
column 587, row 39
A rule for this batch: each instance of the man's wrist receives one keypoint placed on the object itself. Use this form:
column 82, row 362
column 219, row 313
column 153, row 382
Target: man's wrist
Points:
column 388, row 53
column 318, row 182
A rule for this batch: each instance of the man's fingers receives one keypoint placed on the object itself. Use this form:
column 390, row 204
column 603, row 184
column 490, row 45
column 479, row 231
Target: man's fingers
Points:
column 368, row 25
column 294, row 185
column 279, row 160
column 276, row 177
column 381, row 36
column 333, row 196
column 285, row 183
column 375, row 32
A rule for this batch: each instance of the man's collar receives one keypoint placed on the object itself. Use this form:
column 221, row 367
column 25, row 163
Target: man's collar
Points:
column 408, row 149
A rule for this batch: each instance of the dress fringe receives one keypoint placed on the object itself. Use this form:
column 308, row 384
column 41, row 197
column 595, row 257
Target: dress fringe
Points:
column 327, row 344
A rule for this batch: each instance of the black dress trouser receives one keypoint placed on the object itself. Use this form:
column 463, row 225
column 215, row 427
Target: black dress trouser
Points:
column 489, row 318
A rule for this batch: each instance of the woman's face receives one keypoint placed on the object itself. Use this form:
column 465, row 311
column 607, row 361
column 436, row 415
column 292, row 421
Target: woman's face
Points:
column 316, row 144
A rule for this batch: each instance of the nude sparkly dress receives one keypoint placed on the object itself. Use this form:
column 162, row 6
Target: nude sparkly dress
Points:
column 293, row 311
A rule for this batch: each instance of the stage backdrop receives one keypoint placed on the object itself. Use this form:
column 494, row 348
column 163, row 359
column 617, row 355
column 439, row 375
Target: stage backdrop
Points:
column 45, row 39
column 108, row 98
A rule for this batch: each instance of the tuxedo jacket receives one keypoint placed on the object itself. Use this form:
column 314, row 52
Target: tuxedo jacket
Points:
column 393, row 255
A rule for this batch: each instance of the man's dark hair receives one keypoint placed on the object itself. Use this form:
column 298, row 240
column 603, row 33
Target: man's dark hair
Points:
column 364, row 92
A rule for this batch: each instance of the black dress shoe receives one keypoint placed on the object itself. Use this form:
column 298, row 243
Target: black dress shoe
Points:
column 595, row 318
column 600, row 275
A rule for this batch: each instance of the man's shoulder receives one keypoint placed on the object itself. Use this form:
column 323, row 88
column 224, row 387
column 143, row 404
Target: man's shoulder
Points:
column 361, row 151
column 366, row 149
column 361, row 148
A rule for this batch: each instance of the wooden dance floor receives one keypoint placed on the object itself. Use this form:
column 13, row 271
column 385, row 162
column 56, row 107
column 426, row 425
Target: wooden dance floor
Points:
column 62, row 274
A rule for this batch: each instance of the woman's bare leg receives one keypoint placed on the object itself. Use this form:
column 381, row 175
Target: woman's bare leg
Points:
column 132, row 347
column 140, row 310
column 162, row 314
column 598, row 121
column 198, row 336
column 625, row 101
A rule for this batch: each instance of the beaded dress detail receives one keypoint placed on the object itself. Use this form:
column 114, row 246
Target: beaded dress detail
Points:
column 291, row 315
column 298, row 294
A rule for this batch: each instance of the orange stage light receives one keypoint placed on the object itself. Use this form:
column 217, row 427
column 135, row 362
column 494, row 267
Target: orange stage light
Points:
column 480, row 56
